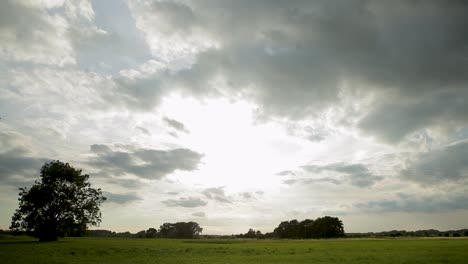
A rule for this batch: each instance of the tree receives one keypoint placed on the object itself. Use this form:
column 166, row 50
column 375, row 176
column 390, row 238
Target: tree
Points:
column 327, row 227
column 322, row 227
column 61, row 203
column 151, row 233
column 250, row 234
column 180, row 230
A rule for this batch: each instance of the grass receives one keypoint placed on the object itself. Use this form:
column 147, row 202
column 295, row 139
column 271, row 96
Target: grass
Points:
column 120, row 250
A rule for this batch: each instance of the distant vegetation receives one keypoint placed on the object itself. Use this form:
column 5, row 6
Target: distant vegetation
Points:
column 322, row 227
column 62, row 203
column 166, row 230
column 418, row 233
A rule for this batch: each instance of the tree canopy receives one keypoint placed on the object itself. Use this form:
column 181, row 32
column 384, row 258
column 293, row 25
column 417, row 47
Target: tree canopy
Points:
column 322, row 227
column 61, row 203
column 180, row 230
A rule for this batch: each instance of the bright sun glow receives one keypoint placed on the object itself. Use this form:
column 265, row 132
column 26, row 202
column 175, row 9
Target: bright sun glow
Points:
column 239, row 154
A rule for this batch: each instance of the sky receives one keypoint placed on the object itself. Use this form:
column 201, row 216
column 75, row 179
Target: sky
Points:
column 241, row 114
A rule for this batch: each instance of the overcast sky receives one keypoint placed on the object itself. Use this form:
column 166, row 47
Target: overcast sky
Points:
column 242, row 114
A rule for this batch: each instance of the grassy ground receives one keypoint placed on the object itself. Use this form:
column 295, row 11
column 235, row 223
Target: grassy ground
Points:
column 109, row 250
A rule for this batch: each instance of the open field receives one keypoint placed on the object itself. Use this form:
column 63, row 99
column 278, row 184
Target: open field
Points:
column 118, row 250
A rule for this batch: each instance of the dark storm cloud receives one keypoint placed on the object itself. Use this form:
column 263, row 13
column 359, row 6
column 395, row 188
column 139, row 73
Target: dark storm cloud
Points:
column 216, row 194
column 121, row 198
column 175, row 124
column 419, row 203
column 448, row 164
column 145, row 163
column 189, row 202
column 291, row 58
column 357, row 174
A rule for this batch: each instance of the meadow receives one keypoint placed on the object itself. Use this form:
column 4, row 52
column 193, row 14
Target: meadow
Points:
column 131, row 250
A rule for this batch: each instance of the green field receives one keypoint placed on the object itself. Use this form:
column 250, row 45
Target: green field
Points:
column 115, row 250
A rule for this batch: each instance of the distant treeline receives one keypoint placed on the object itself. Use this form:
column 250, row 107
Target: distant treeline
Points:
column 166, row 230
column 418, row 233
column 322, row 227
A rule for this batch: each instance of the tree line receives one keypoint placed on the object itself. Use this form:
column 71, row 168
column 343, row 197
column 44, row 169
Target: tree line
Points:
column 418, row 233
column 166, row 230
column 322, row 227
column 63, row 203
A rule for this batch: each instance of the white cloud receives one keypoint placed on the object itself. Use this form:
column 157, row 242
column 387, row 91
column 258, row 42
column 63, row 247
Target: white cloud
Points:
column 190, row 202
column 31, row 34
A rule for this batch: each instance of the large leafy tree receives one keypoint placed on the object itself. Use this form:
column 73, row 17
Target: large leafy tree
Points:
column 322, row 227
column 61, row 203
column 180, row 230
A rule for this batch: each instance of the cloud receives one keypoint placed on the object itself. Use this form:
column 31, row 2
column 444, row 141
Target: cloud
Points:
column 171, row 29
column 250, row 195
column 144, row 163
column 298, row 59
column 114, row 44
column 216, row 194
column 447, row 164
column 189, row 202
column 316, row 134
column 312, row 181
column 29, row 33
column 435, row 203
column 176, row 125
column 392, row 121
column 121, row 198
column 357, row 174
column 286, row 173
column 246, row 195
column 126, row 183
column 17, row 164
column 199, row 214
column 143, row 130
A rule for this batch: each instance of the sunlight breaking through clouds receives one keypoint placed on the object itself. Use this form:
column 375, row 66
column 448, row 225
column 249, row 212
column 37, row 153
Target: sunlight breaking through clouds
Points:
column 241, row 112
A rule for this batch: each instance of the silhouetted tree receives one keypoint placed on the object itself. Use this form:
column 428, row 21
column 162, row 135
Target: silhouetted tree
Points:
column 61, row 203
column 325, row 227
column 180, row 230
column 465, row 233
column 141, row 234
column 151, row 233
column 306, row 228
column 258, row 234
